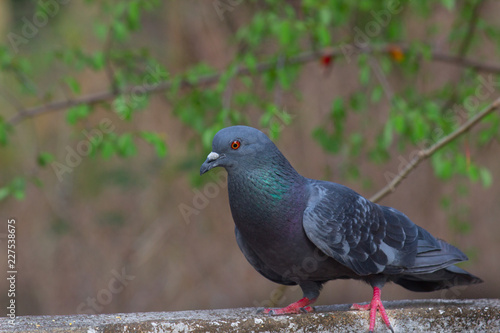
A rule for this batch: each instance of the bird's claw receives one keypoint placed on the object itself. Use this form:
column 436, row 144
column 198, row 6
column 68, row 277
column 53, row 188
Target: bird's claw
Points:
column 374, row 306
column 265, row 311
column 273, row 312
column 301, row 306
column 307, row 309
column 389, row 327
column 276, row 312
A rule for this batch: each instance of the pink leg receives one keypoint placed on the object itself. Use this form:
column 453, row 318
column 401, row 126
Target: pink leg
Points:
column 375, row 304
column 301, row 305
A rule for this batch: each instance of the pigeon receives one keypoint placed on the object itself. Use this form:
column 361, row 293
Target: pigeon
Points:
column 299, row 231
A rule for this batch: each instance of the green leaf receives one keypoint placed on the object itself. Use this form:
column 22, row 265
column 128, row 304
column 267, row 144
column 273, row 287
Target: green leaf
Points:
column 98, row 60
column 284, row 78
column 101, row 31
column 396, row 30
column 107, row 149
column 207, row 136
column 474, row 173
column 78, row 112
column 122, row 107
column 399, row 123
column 379, row 155
column 419, row 128
column 5, row 130
column 4, row 192
column 486, row 177
column 18, row 188
column 247, row 81
column 338, row 112
column 460, row 225
column 325, row 15
column 448, row 4
column 125, row 145
column 356, row 141
column 285, row 33
column 274, row 130
column 44, row 158
column 157, row 141
column 323, row 35
column 331, row 143
column 357, row 101
column 445, row 202
column 269, row 79
column 120, row 30
column 73, row 84
column 377, row 94
column 134, row 15
column 364, row 75
column 442, row 167
column 250, row 61
column 387, row 135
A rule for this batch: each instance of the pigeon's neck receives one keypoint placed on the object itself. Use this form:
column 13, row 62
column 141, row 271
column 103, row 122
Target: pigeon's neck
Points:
column 267, row 197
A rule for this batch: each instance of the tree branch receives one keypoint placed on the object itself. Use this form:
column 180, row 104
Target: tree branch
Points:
column 426, row 153
column 301, row 58
column 463, row 62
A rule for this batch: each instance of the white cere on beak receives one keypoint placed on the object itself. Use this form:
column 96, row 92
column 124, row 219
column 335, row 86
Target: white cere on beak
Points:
column 213, row 156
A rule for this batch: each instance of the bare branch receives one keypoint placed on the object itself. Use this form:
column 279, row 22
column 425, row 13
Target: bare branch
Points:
column 463, row 62
column 426, row 153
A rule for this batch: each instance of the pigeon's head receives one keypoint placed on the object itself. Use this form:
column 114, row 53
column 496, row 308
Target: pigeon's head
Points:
column 238, row 146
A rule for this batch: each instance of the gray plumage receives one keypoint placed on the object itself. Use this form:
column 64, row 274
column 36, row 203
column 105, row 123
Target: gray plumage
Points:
column 295, row 230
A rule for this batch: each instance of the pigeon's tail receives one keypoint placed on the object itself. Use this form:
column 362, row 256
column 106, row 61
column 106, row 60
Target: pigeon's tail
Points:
column 441, row 279
column 434, row 267
column 433, row 255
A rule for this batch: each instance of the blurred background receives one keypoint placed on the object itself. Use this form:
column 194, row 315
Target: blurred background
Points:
column 108, row 109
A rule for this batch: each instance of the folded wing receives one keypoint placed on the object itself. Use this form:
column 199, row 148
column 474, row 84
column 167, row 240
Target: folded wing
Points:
column 369, row 238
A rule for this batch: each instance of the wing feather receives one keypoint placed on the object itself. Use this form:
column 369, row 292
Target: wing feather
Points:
column 361, row 235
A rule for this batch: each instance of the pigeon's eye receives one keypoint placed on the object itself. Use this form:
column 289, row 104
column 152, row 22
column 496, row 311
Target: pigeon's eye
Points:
column 235, row 144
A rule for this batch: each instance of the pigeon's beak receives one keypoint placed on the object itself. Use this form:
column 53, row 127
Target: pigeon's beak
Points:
column 211, row 162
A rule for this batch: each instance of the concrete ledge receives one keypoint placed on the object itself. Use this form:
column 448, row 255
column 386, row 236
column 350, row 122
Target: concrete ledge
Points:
column 479, row 315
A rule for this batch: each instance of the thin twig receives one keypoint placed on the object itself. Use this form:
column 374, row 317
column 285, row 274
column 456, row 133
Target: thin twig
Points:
column 212, row 78
column 426, row 153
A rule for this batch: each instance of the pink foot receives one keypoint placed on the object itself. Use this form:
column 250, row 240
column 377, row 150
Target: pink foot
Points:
column 375, row 304
column 301, row 306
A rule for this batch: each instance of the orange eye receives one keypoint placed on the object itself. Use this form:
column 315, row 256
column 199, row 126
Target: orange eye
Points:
column 235, row 144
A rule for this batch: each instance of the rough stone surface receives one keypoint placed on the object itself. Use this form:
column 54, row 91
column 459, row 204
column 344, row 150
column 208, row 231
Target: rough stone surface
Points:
column 480, row 315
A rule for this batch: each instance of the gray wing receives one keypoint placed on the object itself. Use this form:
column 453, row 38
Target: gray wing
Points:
column 257, row 263
column 361, row 235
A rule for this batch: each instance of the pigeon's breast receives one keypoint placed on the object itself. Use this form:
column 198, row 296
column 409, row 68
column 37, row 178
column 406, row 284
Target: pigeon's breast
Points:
column 268, row 213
